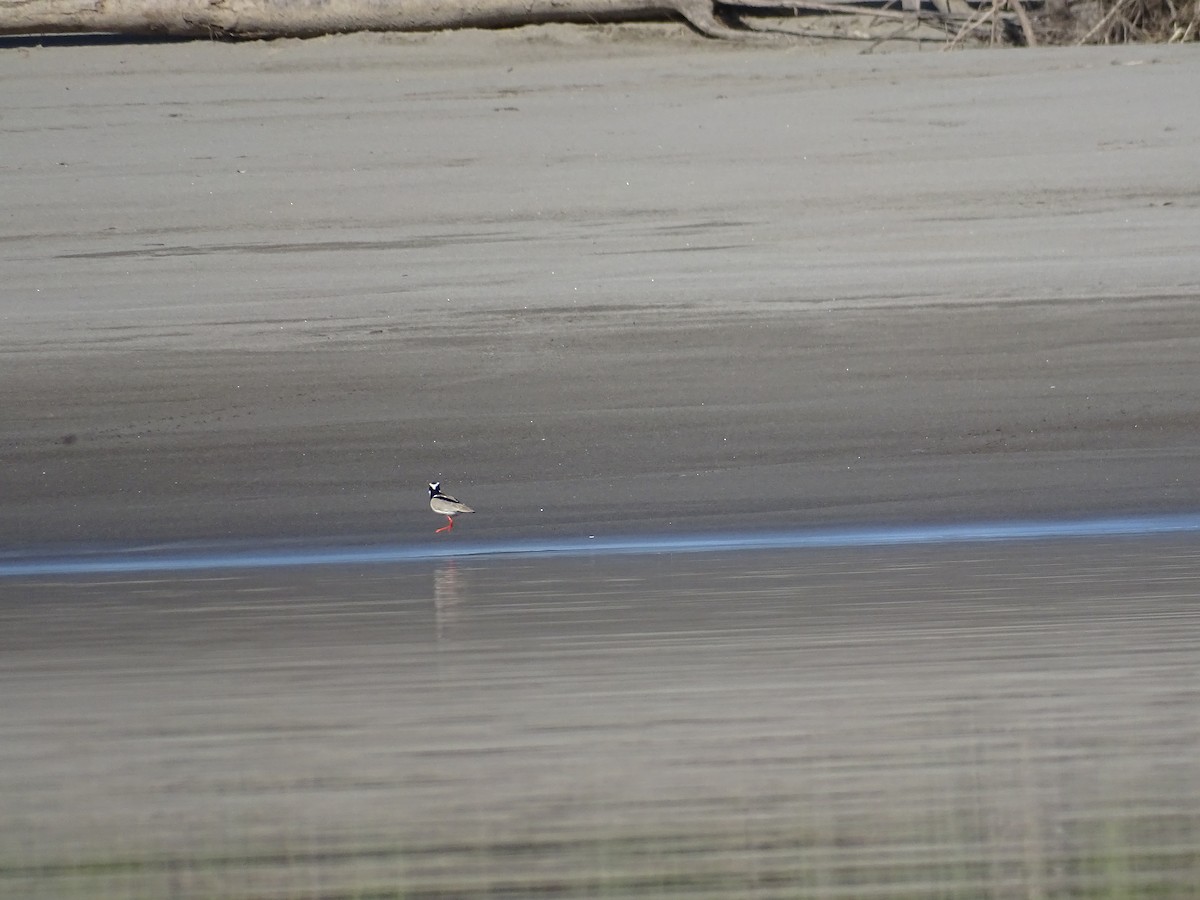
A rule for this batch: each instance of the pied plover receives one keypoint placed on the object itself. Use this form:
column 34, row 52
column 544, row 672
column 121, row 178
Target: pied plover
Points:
column 445, row 505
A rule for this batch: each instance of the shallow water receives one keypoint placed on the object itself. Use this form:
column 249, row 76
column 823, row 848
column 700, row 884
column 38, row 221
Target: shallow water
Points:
column 993, row 719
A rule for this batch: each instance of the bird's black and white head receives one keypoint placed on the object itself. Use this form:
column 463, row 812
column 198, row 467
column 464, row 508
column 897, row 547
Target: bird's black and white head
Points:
column 435, row 487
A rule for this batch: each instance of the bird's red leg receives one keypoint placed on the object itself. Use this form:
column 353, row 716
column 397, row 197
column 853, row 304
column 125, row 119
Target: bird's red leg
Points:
column 449, row 526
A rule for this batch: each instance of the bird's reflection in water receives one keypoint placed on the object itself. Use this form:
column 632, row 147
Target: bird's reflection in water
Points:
column 447, row 599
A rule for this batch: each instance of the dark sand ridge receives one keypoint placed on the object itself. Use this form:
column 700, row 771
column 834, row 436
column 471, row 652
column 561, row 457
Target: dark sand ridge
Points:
column 593, row 283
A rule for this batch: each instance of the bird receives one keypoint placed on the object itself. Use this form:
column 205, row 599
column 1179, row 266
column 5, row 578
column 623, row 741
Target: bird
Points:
column 445, row 505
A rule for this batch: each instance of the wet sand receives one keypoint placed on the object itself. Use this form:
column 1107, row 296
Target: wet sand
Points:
column 598, row 281
column 592, row 280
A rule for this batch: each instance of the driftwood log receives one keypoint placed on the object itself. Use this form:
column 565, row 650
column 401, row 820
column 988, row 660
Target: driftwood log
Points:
column 307, row 18
column 994, row 21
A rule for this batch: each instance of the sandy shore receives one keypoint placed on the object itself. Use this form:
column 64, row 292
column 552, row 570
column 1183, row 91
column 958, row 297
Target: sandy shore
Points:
column 598, row 281
column 593, row 280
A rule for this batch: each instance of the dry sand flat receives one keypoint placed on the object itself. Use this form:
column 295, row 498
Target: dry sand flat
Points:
column 274, row 288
